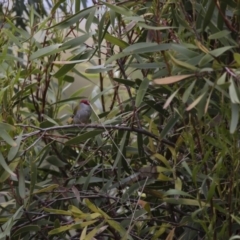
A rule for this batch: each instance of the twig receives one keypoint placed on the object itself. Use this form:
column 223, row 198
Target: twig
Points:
column 95, row 126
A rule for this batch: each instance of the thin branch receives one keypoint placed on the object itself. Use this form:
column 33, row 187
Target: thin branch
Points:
column 95, row 126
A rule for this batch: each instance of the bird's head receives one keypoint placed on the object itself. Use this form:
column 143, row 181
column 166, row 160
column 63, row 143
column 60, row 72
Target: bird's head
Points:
column 85, row 101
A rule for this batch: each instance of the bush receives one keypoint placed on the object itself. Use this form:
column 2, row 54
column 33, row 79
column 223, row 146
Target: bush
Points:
column 160, row 158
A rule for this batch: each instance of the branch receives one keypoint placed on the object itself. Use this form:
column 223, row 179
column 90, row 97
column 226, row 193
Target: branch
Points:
column 95, row 126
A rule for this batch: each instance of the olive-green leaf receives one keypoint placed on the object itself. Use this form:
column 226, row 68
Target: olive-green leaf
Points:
column 28, row 228
column 74, row 18
column 234, row 117
column 142, row 91
column 49, row 50
column 14, row 150
column 5, row 166
column 120, row 10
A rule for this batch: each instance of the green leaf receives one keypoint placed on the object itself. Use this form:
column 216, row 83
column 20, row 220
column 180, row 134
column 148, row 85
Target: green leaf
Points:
column 142, row 91
column 84, row 137
column 25, row 229
column 188, row 92
column 6, row 228
column 89, row 177
column 33, row 176
column 233, row 92
column 237, row 58
column 183, row 64
column 90, row 21
column 146, row 26
column 49, row 50
column 120, row 10
column 21, row 183
column 120, row 150
column 126, row 82
column 234, row 117
column 74, row 18
column 218, row 35
column 146, row 48
column 176, row 192
column 14, row 150
column 7, row 127
column 7, row 138
column 5, row 166
column 71, row 226
column 55, row 161
column 115, row 41
column 67, row 67
column 99, row 69
column 170, row 124
column 49, row 188
column 209, row 14
column 77, row 41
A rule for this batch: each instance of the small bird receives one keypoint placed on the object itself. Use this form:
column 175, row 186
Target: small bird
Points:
column 82, row 112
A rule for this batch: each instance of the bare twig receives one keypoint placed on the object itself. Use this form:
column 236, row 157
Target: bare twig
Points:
column 95, row 126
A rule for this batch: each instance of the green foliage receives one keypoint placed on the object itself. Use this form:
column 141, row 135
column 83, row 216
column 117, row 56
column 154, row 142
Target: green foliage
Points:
column 160, row 158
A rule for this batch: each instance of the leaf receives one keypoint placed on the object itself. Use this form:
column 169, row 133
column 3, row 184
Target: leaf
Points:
column 5, row 166
column 5, row 175
column 115, row 41
column 66, row 68
column 99, row 69
column 195, row 102
column 142, row 91
column 169, row 100
column 237, row 58
column 183, row 64
column 7, row 138
column 146, row 48
column 88, row 179
column 185, row 201
column 83, row 234
column 188, row 91
column 209, row 14
column 170, row 124
column 14, row 150
column 234, row 117
column 120, row 150
column 233, row 91
column 176, row 192
column 49, row 50
column 55, row 161
column 146, row 26
column 7, row 127
column 219, row 34
column 84, row 137
column 77, row 41
column 33, row 176
column 71, row 226
column 171, row 79
column 49, row 188
column 21, row 182
column 90, row 21
column 28, row 228
column 125, row 82
column 6, row 228
column 74, row 18
column 120, row 10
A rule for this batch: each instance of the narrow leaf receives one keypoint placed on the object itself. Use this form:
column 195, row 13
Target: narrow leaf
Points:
column 5, row 166
column 142, row 91
column 171, row 79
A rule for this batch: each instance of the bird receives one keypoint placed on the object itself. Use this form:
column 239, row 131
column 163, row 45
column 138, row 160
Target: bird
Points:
column 82, row 112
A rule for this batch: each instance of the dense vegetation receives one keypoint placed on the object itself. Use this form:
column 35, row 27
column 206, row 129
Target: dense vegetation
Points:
column 160, row 159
